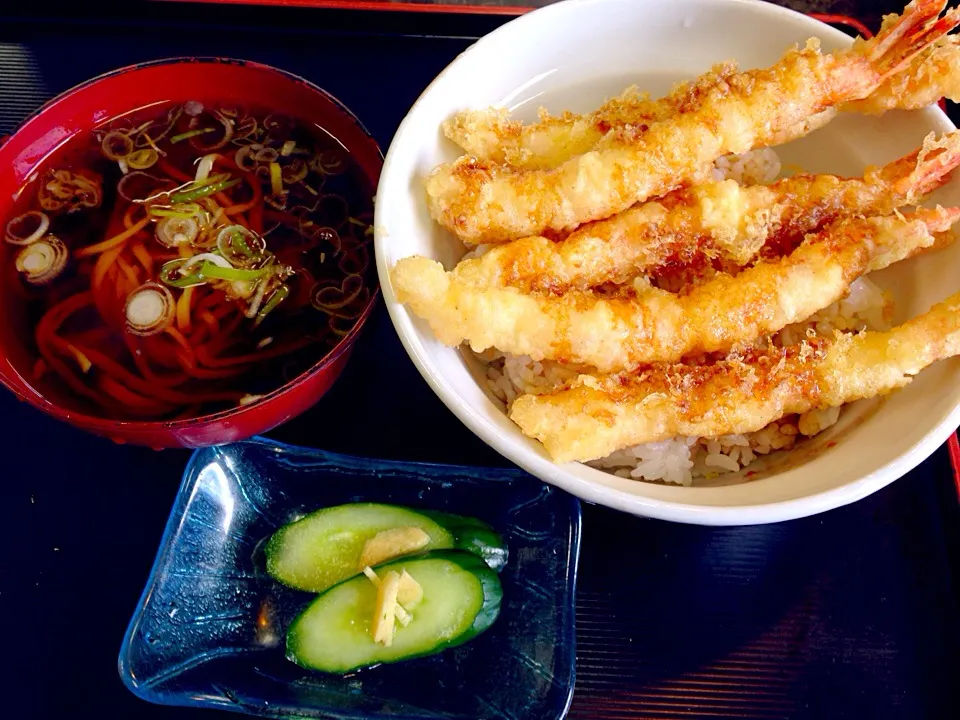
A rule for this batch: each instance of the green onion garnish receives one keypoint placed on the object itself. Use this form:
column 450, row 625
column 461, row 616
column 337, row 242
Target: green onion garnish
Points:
column 278, row 296
column 204, row 191
column 211, row 270
column 184, row 210
column 170, row 275
column 190, row 133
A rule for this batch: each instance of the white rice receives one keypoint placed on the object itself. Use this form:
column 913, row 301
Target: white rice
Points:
column 682, row 460
column 750, row 168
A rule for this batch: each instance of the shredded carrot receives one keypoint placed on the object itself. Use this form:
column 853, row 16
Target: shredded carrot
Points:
column 172, row 171
column 183, row 309
column 46, row 347
column 151, row 390
column 171, row 379
column 254, row 202
column 143, row 256
column 211, row 320
column 128, row 270
column 212, row 374
column 39, row 368
column 128, row 216
column 130, row 399
column 204, row 356
column 82, row 360
column 185, row 251
column 180, row 340
column 113, row 242
column 56, row 315
column 225, row 160
column 93, row 336
column 226, row 207
column 47, row 341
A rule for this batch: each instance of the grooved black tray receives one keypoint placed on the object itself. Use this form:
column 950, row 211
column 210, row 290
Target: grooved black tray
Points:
column 851, row 614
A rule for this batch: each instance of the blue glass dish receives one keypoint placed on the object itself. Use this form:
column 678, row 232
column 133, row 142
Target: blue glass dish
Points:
column 209, row 628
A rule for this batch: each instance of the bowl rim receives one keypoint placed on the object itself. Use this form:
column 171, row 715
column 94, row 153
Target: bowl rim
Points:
column 588, row 489
column 105, row 424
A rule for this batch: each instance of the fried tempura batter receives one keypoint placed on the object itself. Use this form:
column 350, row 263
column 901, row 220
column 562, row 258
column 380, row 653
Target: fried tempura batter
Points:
column 483, row 202
column 933, row 74
column 597, row 416
column 490, row 134
column 712, row 220
column 652, row 325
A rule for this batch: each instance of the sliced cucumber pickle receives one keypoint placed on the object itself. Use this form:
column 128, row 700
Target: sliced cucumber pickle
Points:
column 324, row 548
column 461, row 599
column 473, row 536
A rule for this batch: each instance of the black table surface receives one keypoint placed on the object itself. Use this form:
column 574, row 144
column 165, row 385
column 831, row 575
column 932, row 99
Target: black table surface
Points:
column 80, row 517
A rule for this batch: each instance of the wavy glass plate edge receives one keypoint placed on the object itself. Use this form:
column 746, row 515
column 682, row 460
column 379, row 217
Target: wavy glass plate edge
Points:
column 436, row 473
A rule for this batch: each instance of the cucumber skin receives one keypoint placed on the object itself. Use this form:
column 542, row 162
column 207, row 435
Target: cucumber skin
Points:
column 488, row 613
column 473, row 536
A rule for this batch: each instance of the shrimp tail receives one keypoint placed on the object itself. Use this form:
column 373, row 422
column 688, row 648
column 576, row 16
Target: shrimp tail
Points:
column 900, row 41
column 930, row 167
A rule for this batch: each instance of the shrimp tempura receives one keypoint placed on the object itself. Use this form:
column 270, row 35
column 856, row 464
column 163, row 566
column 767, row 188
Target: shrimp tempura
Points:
column 719, row 219
column 594, row 417
column 482, row 202
column 933, row 74
column 490, row 135
column 650, row 324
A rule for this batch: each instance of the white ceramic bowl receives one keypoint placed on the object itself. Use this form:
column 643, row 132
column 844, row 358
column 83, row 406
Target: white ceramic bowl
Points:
column 573, row 55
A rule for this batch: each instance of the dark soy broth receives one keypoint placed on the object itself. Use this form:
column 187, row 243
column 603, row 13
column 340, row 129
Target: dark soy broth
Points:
column 182, row 261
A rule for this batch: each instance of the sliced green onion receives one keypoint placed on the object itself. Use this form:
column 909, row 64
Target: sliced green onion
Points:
column 204, row 191
column 277, row 202
column 149, row 309
column 278, row 296
column 211, row 270
column 205, row 166
column 245, row 128
column 170, row 275
column 202, row 257
column 288, row 147
column 27, row 228
column 266, row 155
column 244, row 158
column 225, row 123
column 295, row 171
column 191, row 133
column 333, row 297
column 116, row 145
column 182, row 210
column 240, row 246
column 43, row 260
column 329, row 162
column 142, row 159
column 177, row 231
column 276, row 178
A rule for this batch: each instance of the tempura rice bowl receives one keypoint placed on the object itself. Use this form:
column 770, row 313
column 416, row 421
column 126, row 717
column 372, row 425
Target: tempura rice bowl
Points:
column 653, row 44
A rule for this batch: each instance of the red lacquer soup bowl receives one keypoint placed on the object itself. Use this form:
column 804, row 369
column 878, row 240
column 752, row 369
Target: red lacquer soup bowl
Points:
column 75, row 115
